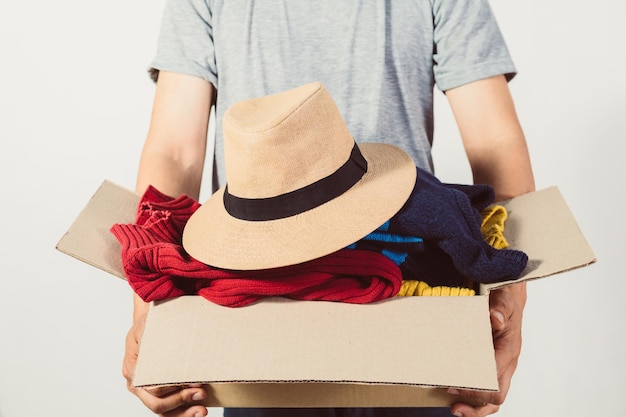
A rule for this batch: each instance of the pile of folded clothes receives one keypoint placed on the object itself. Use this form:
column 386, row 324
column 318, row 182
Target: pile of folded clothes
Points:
column 442, row 240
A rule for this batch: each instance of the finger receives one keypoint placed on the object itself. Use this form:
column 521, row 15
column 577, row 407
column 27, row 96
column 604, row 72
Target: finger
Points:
column 479, row 398
column 498, row 319
column 509, row 302
column 181, row 399
column 464, row 410
column 162, row 391
column 194, row 411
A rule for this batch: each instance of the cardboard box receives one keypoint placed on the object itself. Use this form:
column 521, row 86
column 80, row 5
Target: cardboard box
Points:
column 285, row 353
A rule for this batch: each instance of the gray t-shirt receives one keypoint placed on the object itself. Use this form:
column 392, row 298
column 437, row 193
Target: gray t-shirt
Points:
column 379, row 59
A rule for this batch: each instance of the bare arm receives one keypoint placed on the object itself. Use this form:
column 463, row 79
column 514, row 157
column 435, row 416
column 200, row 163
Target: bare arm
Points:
column 173, row 154
column 492, row 136
column 172, row 160
column 498, row 155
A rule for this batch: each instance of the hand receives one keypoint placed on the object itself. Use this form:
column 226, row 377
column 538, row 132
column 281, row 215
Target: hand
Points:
column 506, row 306
column 169, row 401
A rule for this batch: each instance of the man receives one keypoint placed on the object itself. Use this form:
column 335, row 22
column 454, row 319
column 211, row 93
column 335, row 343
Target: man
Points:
column 379, row 61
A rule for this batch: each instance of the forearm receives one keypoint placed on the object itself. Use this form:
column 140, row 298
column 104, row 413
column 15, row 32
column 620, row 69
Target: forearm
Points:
column 502, row 160
column 172, row 159
column 503, row 163
column 498, row 154
column 493, row 137
column 163, row 167
column 171, row 174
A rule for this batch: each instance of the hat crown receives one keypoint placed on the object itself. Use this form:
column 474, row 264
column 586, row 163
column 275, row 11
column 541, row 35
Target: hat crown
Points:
column 280, row 143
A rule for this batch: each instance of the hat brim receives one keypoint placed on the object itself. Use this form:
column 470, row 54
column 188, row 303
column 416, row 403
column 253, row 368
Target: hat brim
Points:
column 216, row 238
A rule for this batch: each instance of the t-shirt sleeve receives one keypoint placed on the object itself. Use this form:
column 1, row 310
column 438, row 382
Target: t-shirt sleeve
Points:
column 468, row 44
column 185, row 43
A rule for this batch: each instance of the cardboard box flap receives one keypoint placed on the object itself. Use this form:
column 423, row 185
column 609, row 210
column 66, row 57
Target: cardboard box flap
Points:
column 89, row 238
column 541, row 224
column 320, row 342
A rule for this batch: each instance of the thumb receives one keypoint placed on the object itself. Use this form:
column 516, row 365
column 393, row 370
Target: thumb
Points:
column 497, row 320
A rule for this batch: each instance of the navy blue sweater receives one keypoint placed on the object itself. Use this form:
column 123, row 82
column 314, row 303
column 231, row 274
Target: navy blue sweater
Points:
column 436, row 238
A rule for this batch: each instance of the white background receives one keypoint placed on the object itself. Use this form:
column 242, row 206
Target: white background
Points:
column 74, row 108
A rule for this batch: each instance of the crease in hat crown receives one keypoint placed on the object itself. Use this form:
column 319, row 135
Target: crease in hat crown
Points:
column 283, row 142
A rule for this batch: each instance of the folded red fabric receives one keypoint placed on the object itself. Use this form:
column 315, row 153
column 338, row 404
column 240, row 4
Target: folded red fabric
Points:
column 158, row 268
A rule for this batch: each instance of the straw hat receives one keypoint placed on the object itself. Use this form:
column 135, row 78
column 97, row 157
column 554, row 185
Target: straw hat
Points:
column 298, row 187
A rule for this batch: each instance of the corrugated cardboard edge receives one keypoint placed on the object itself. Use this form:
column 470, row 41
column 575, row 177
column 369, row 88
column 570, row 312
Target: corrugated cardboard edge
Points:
column 312, row 394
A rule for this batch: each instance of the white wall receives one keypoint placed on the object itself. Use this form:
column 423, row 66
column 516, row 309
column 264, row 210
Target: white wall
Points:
column 74, row 108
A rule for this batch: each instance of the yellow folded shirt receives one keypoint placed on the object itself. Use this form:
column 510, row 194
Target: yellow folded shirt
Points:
column 420, row 288
column 492, row 227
